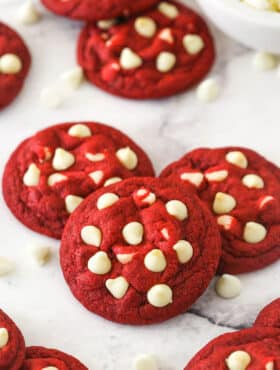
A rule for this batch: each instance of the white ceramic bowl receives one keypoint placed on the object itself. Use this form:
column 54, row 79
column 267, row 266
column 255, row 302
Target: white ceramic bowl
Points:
column 254, row 28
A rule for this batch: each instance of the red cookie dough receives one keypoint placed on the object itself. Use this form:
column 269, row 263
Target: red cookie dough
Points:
column 38, row 358
column 242, row 189
column 259, row 351
column 270, row 315
column 92, row 10
column 12, row 79
column 164, row 51
column 51, row 172
column 12, row 346
column 140, row 251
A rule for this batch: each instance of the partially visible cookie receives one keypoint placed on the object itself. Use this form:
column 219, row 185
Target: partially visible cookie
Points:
column 161, row 52
column 15, row 62
column 242, row 189
column 40, row 358
column 50, row 173
column 270, row 315
column 12, row 346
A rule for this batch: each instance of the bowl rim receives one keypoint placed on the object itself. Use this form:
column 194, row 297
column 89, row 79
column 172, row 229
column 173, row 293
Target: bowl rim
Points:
column 238, row 9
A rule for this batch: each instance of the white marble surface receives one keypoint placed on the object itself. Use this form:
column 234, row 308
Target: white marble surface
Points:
column 247, row 113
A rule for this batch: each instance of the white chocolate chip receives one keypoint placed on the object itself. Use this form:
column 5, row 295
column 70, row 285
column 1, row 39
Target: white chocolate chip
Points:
column 155, row 261
column 208, row 90
column 160, row 295
column 50, row 368
column 62, row 159
column 259, row 4
column 51, row 97
column 40, row 254
column 10, row 64
column 106, row 200
column 223, row 203
column 184, row 251
column 264, row 200
column 269, row 366
column 169, row 10
column 112, row 180
column 228, row 286
column 165, row 233
column 253, row 181
column 166, row 35
column 125, row 258
column 72, row 202
column 165, row 61
column 133, row 233
column 129, row 59
column 238, row 360
column 95, row 157
column 79, row 130
column 91, row 235
column 195, row 178
column 128, row 158
column 105, row 24
column 145, row 362
column 28, row 13
column 146, row 196
column 145, row 26
column 74, row 79
column 100, row 263
column 117, row 287
column 237, row 158
column 177, row 209
column 4, row 337
column 193, row 44
column 96, row 176
column 265, row 61
column 32, row 175
column 216, row 175
column 254, row 232
column 226, row 221
column 6, row 266
column 55, row 178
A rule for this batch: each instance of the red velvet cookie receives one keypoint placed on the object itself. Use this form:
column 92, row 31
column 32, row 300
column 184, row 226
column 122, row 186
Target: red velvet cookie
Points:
column 164, row 51
column 40, row 358
column 50, row 173
column 140, row 251
column 14, row 64
column 242, row 189
column 12, row 347
column 92, row 10
column 270, row 315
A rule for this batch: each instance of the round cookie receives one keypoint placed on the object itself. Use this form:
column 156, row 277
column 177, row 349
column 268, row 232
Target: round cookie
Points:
column 93, row 10
column 40, row 358
column 50, row 173
column 270, row 315
column 140, row 251
column 15, row 62
column 255, row 348
column 164, row 51
column 12, row 346
column 242, row 189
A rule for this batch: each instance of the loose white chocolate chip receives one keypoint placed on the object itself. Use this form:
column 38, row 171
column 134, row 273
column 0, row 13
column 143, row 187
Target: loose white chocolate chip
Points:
column 96, row 176
column 28, row 13
column 228, row 286
column 40, row 254
column 106, row 200
column 269, row 366
column 223, row 203
column 265, row 61
column 127, row 157
column 253, row 181
column 133, row 233
column 62, row 159
column 80, row 130
column 10, row 64
column 32, row 175
column 112, row 180
column 73, row 79
column 100, row 263
column 216, row 175
column 4, row 337
column 6, row 266
column 95, row 157
column 160, row 295
column 193, row 44
column 195, row 178
column 155, row 261
column 184, row 251
column 105, row 24
column 55, row 178
column 165, row 61
column 145, row 362
column 254, row 232
column 169, row 10
column 238, row 360
column 208, row 90
column 125, row 258
column 117, row 287
column 225, row 221
column 51, row 97
column 166, row 35
column 177, row 209
column 260, row 4
column 72, row 202
column 129, row 59
column 237, row 158
column 91, row 235
column 145, row 26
